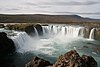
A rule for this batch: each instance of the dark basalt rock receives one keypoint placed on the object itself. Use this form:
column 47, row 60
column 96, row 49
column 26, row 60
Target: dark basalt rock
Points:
column 86, row 32
column 39, row 29
column 6, row 64
column 89, row 61
column 2, row 26
column 37, row 62
column 6, row 45
column 30, row 30
column 70, row 59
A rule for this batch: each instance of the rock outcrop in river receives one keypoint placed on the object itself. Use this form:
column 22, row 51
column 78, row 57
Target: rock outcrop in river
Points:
column 34, row 30
column 37, row 62
column 30, row 30
column 39, row 29
column 69, row 59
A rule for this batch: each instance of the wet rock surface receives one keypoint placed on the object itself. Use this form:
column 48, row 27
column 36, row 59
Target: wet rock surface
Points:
column 72, row 59
column 33, row 30
column 7, row 48
column 6, row 45
column 37, row 62
column 39, row 29
column 69, row 59
column 30, row 30
column 97, row 34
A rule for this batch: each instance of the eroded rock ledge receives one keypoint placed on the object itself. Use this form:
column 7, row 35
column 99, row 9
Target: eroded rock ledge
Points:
column 69, row 59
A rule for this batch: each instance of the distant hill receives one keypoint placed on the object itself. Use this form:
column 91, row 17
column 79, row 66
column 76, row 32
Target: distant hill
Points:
column 22, row 18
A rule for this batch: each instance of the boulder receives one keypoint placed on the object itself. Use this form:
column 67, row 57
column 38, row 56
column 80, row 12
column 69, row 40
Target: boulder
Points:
column 39, row 29
column 72, row 59
column 30, row 30
column 2, row 26
column 89, row 61
column 86, row 32
column 6, row 45
column 37, row 62
column 69, row 59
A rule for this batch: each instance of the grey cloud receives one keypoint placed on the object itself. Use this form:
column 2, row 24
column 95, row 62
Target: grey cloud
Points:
column 11, row 9
column 77, row 3
column 30, row 3
column 62, row 3
column 96, row 13
column 0, row 8
column 42, row 5
column 91, row 13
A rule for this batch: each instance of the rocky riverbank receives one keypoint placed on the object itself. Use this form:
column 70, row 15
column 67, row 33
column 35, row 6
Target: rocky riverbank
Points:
column 69, row 59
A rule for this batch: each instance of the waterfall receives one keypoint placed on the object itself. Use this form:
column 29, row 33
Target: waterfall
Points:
column 20, row 39
column 70, row 31
column 24, row 42
column 91, row 36
column 81, row 32
column 36, row 32
column 63, row 30
column 54, row 30
column 44, row 31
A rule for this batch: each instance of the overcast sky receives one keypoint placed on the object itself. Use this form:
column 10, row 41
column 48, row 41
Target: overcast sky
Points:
column 85, row 8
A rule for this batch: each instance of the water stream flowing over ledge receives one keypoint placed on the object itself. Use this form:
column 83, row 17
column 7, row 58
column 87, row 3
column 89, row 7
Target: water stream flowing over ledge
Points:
column 56, row 40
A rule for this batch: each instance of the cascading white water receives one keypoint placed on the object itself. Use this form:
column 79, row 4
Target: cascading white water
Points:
column 20, row 40
column 81, row 32
column 64, row 30
column 91, row 36
column 46, row 29
column 72, row 31
column 36, row 32
column 43, row 28
column 53, row 29
column 26, row 43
